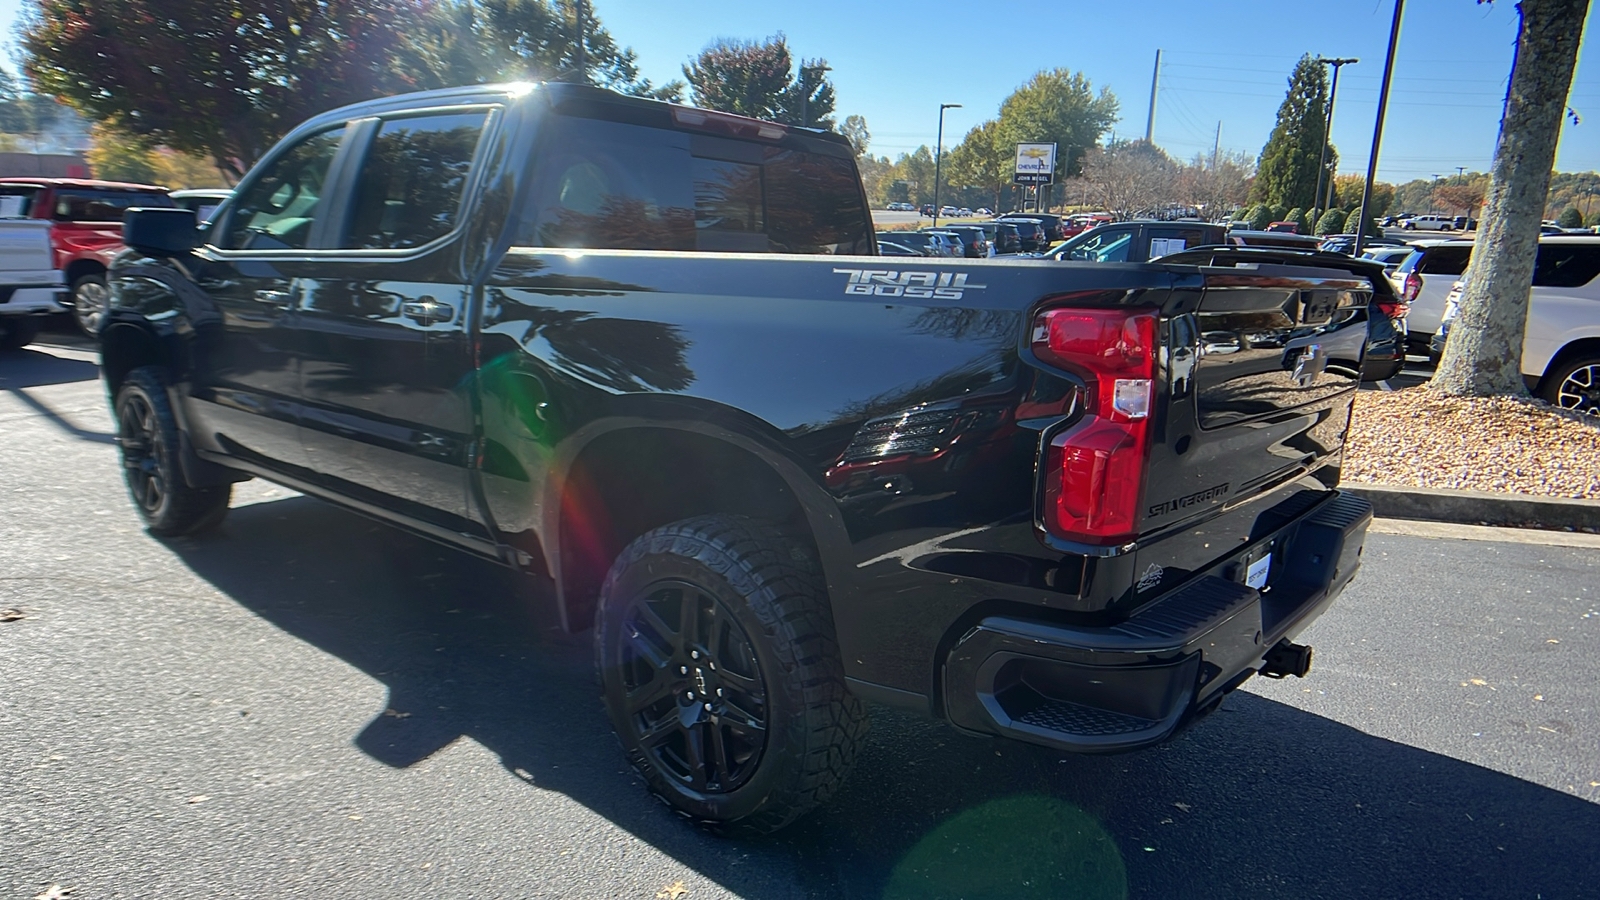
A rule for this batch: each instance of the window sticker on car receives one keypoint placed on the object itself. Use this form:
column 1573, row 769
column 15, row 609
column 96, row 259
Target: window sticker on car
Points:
column 1164, row 246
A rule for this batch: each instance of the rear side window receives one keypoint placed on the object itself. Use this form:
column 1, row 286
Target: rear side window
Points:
column 1444, row 260
column 16, row 202
column 1566, row 265
column 411, row 182
column 97, row 205
column 615, row 186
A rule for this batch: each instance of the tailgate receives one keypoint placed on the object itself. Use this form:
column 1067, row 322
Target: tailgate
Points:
column 1261, row 365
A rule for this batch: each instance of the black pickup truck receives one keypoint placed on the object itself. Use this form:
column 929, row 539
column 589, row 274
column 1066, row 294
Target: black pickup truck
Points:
column 646, row 351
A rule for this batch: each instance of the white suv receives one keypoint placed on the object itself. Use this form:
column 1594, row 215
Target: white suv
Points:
column 1429, row 223
column 1423, row 280
column 1561, row 349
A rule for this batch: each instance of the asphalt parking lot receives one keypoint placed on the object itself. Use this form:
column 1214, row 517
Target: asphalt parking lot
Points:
column 308, row 703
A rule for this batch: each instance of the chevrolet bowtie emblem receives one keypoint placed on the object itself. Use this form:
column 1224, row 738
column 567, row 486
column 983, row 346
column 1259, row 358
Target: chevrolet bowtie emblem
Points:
column 1312, row 361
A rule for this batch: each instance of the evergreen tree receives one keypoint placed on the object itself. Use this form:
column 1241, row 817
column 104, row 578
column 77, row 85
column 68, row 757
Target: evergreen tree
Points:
column 1260, row 217
column 1287, row 171
column 1332, row 222
column 757, row 79
column 1298, row 217
column 1570, row 218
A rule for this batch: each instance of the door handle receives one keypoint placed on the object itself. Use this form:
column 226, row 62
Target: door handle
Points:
column 427, row 311
column 279, row 299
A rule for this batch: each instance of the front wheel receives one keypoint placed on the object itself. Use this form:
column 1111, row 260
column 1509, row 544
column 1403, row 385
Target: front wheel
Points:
column 90, row 300
column 147, row 435
column 1575, row 385
column 720, row 670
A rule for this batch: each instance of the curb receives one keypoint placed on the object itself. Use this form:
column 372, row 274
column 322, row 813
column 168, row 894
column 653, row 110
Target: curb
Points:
column 1479, row 507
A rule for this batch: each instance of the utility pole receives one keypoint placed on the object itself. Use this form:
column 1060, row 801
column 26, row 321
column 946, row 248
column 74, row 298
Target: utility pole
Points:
column 1216, row 148
column 1377, row 129
column 1150, row 123
column 1461, row 171
column 938, row 157
column 1327, row 134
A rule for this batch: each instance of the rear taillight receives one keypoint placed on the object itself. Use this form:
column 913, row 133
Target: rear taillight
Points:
column 1393, row 309
column 1094, row 471
column 1413, row 287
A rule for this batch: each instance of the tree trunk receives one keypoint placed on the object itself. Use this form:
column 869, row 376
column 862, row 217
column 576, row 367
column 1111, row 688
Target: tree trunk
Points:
column 1484, row 354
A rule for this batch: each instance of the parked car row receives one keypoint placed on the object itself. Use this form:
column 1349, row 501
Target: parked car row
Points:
column 86, row 228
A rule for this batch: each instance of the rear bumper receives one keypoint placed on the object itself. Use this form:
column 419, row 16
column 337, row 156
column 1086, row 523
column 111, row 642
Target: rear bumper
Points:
column 1136, row 683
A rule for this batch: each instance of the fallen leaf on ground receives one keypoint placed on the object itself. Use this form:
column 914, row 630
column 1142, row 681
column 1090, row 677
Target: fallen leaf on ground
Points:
column 1183, row 806
column 199, row 798
column 53, row 892
column 12, row 615
column 396, row 714
column 1479, row 682
column 672, row 891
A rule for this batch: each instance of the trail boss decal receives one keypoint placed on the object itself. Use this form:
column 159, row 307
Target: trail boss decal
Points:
column 890, row 283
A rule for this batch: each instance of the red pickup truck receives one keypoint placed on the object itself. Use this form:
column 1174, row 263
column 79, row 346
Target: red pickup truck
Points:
column 86, row 231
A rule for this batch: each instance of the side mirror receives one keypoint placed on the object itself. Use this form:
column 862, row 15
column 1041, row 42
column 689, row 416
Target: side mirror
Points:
column 161, row 232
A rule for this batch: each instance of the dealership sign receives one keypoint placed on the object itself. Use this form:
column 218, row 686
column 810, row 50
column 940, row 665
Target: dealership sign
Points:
column 1036, row 164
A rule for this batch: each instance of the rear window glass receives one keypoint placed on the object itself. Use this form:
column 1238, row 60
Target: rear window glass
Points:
column 1566, row 265
column 16, row 202
column 98, row 205
column 615, row 186
column 1444, row 260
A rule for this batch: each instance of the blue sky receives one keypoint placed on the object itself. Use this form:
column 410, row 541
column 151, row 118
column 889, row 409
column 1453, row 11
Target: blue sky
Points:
column 894, row 63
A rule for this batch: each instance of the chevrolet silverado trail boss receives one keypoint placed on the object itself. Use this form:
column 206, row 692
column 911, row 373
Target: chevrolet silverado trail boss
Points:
column 648, row 352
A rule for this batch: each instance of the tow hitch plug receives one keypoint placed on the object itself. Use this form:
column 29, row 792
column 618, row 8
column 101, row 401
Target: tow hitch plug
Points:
column 1286, row 658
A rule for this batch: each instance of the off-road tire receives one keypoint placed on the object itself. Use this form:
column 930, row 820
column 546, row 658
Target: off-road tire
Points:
column 147, row 437
column 17, row 332
column 769, row 588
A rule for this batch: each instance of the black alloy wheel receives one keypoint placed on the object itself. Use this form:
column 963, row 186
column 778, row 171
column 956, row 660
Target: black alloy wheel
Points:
column 142, row 459
column 695, row 696
column 719, row 668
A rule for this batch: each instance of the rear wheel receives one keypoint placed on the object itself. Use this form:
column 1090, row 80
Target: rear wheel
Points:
column 17, row 332
column 720, row 670
column 90, row 300
column 1575, row 385
column 147, row 434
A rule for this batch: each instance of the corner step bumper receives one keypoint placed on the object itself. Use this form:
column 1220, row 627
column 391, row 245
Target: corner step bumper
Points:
column 1136, row 683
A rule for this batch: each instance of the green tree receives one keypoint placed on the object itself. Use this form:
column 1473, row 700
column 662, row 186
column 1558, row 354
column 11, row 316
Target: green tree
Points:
column 1056, row 106
column 1260, row 217
column 224, row 78
column 855, row 131
column 1570, row 218
column 1297, row 216
column 477, row 41
column 118, row 156
column 982, row 160
column 1353, row 222
column 1483, row 356
column 756, row 79
column 1287, row 171
column 1332, row 222
column 1280, row 212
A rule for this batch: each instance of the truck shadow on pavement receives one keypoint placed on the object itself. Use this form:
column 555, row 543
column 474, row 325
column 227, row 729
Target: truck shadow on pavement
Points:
column 28, row 368
column 1261, row 799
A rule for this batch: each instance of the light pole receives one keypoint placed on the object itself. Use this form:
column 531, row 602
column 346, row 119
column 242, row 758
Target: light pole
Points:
column 1327, row 133
column 938, row 153
column 1377, row 128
